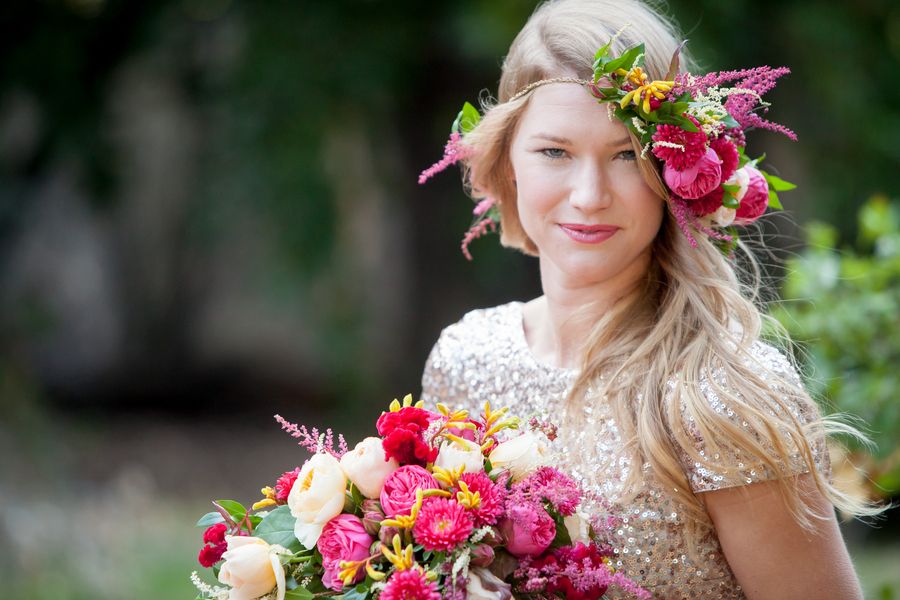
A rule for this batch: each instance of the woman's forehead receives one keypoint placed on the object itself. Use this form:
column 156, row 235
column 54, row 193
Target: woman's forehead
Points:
column 568, row 110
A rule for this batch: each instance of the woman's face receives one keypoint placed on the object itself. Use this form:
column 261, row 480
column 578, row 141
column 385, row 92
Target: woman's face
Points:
column 580, row 194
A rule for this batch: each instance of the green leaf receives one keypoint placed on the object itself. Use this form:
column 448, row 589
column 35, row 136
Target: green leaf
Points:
column 210, row 518
column 562, row 533
column 299, row 593
column 729, row 121
column 467, row 119
column 360, row 592
column 729, row 201
column 774, row 202
column 278, row 528
column 777, row 183
column 233, row 508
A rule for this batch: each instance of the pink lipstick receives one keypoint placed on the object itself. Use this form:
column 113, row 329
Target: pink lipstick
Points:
column 588, row 234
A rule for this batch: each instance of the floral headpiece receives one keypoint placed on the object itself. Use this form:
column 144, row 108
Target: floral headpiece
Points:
column 695, row 125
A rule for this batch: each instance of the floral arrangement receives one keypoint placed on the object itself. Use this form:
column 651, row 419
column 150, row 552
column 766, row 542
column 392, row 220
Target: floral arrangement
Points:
column 438, row 506
column 695, row 127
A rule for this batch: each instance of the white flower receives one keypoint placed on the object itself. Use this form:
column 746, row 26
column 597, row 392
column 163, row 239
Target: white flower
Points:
column 367, row 468
column 252, row 569
column 724, row 216
column 740, row 178
column 316, row 497
column 460, row 453
column 484, row 585
column 579, row 527
column 521, row 455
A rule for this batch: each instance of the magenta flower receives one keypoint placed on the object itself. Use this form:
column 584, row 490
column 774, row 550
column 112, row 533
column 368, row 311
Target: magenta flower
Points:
column 442, row 524
column 728, row 153
column 409, row 585
column 343, row 538
column 527, row 530
column 399, row 492
column 492, row 496
column 698, row 180
column 693, row 145
column 755, row 201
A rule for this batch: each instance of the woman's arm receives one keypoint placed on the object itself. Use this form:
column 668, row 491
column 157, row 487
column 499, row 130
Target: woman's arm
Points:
column 772, row 556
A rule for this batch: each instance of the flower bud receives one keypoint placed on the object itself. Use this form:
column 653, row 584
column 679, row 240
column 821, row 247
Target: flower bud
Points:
column 386, row 535
column 372, row 516
column 482, row 555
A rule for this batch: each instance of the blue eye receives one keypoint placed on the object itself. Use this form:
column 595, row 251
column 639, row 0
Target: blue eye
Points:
column 628, row 155
column 553, row 153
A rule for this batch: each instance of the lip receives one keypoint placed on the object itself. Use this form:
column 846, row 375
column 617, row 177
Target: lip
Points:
column 588, row 234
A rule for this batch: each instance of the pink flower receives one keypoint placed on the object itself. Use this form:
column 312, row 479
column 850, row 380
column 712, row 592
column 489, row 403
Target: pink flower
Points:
column 409, row 585
column 343, row 538
column 284, row 484
column 527, row 530
column 728, row 152
column 693, row 145
column 700, row 179
column 492, row 496
column 555, row 487
column 399, row 492
column 755, row 201
column 403, row 433
column 442, row 524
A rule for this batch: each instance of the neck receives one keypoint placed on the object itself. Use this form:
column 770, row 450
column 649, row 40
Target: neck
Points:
column 558, row 324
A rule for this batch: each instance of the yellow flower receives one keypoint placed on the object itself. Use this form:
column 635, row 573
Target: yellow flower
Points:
column 641, row 95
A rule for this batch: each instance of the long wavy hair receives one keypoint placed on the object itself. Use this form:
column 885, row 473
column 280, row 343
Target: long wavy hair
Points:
column 692, row 317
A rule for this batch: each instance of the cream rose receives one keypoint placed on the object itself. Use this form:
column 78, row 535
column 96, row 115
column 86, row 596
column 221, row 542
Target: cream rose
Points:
column 460, row 453
column 251, row 568
column 367, row 468
column 316, row 497
column 521, row 455
column 484, row 585
column 579, row 527
column 724, row 216
column 740, row 178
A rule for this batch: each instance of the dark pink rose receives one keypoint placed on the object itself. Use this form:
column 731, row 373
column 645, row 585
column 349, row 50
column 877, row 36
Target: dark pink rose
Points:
column 343, row 538
column 527, row 530
column 755, row 201
column 700, row 179
column 399, row 492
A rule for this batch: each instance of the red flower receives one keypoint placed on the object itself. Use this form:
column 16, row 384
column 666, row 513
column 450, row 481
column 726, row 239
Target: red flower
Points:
column 575, row 556
column 409, row 585
column 728, row 152
column 210, row 555
column 403, row 435
column 694, row 143
column 707, row 204
column 442, row 524
column 215, row 534
column 492, row 497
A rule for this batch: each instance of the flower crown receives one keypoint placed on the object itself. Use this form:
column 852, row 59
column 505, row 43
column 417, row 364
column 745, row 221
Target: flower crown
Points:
column 694, row 125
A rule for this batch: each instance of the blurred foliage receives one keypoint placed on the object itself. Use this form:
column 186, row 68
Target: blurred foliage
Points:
column 842, row 303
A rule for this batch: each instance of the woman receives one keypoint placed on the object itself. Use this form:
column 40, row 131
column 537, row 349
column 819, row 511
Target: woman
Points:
column 697, row 436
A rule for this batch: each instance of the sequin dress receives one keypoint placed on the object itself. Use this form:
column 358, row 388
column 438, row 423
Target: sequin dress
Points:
column 485, row 356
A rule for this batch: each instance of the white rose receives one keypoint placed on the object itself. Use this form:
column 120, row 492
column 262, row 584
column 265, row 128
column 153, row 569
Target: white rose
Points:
column 521, row 455
column 484, row 585
column 740, row 178
column 251, row 568
column 460, row 453
column 316, row 497
column 724, row 216
column 579, row 527
column 367, row 468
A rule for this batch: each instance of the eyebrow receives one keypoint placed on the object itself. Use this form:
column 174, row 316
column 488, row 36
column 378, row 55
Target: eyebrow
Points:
column 566, row 141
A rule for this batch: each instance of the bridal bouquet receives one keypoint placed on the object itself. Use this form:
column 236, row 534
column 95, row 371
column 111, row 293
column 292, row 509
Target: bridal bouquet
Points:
column 438, row 506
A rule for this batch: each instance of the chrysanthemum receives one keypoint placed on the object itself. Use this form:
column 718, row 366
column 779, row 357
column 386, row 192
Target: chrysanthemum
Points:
column 491, row 497
column 410, row 585
column 680, row 149
column 442, row 524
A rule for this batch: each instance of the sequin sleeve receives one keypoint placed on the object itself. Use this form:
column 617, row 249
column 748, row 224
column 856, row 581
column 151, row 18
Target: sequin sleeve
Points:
column 442, row 379
column 725, row 466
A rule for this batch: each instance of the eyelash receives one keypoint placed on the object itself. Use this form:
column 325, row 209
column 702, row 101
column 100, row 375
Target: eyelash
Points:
column 547, row 153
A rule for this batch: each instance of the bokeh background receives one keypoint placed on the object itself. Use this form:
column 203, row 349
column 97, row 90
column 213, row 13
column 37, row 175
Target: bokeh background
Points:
column 209, row 215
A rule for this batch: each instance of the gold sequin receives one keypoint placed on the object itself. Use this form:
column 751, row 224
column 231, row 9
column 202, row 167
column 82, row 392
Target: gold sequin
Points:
column 485, row 357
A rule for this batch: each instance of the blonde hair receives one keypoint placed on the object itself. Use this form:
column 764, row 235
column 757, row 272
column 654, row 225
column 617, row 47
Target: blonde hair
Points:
column 690, row 320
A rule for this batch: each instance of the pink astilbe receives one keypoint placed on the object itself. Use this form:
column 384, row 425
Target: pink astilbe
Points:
column 687, row 220
column 454, row 151
column 310, row 439
column 482, row 227
column 550, row 485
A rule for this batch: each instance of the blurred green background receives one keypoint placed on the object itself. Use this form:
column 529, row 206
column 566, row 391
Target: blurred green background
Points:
column 208, row 214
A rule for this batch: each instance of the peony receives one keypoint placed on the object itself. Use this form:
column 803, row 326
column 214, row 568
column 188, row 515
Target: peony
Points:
column 399, row 492
column 527, row 530
column 460, row 453
column 755, row 201
column 251, row 568
column 698, row 180
column 403, row 433
column 317, row 497
column 491, row 497
column 579, row 527
column 484, row 585
column 367, row 466
column 442, row 525
column 409, row 584
column 521, row 455
column 343, row 538
column 693, row 145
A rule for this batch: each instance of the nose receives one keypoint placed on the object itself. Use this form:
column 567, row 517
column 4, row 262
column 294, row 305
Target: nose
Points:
column 590, row 188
